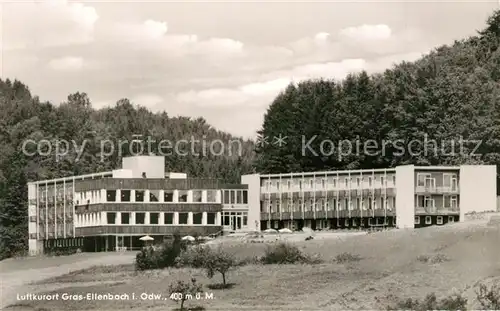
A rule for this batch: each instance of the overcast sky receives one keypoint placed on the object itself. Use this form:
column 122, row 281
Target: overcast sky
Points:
column 223, row 61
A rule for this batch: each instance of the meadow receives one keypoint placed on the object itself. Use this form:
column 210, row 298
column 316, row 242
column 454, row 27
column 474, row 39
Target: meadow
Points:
column 392, row 265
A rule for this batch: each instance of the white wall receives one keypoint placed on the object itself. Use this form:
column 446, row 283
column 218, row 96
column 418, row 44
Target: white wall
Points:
column 121, row 173
column 172, row 175
column 153, row 166
column 405, row 196
column 478, row 188
column 253, row 182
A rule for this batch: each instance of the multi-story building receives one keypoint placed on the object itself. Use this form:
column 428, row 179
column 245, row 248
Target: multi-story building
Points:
column 404, row 197
column 112, row 210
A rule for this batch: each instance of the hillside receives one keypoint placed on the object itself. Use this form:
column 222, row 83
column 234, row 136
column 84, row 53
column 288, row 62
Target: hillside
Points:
column 390, row 269
column 441, row 109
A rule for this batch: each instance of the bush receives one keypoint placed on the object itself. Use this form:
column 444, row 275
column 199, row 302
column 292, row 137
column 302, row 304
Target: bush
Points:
column 347, row 257
column 182, row 291
column 489, row 298
column 164, row 256
column 283, row 253
column 213, row 261
column 430, row 302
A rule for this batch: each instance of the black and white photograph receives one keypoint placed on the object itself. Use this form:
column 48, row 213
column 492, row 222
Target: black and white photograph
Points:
column 249, row 155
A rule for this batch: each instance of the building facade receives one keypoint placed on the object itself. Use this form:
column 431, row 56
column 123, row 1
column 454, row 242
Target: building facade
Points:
column 111, row 210
column 404, row 197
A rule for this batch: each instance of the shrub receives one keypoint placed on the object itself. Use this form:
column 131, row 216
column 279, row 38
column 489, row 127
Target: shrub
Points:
column 213, row 261
column 164, row 256
column 347, row 257
column 181, row 291
column 283, row 253
column 489, row 298
column 430, row 302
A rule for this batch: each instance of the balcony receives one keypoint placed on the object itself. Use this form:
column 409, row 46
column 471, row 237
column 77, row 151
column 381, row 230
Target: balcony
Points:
column 437, row 190
column 437, row 211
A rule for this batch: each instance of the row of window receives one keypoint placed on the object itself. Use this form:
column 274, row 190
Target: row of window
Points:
column 228, row 196
column 428, row 220
column 449, row 201
column 78, row 242
column 326, row 205
column 323, row 183
column 450, row 180
column 324, row 224
column 154, row 218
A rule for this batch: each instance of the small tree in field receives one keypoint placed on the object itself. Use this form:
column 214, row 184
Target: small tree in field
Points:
column 221, row 262
column 180, row 291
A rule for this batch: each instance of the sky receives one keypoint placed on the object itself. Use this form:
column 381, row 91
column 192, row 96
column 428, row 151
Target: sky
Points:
column 224, row 61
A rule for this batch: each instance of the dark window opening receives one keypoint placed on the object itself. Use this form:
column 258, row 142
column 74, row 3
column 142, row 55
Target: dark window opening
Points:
column 211, row 218
column 153, row 218
column 111, row 218
column 125, row 218
column 139, row 195
column 125, row 195
column 169, row 218
column 168, row 196
column 111, row 195
column 140, row 218
column 183, row 218
column 245, row 197
column 154, row 195
column 197, row 218
column 183, row 196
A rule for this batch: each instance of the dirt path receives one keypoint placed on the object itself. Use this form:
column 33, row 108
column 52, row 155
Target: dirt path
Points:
column 17, row 274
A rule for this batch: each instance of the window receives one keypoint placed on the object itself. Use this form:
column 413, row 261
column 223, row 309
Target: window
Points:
column 383, row 204
column 300, row 184
column 110, row 195
column 139, row 195
column 382, row 180
column 267, row 183
column 239, row 197
column 140, row 218
column 289, row 184
column 211, row 196
column 334, row 182
column 451, row 219
column 125, row 218
column 211, row 218
column 183, row 196
column 311, row 183
column 154, row 195
column 447, row 201
column 370, row 221
column 197, row 196
column 323, row 183
column 226, row 196
column 245, row 220
column 278, row 185
column 226, row 220
column 369, row 181
column 417, row 220
column 183, row 218
column 233, row 197
column 394, row 202
column 33, row 218
column 358, row 203
column 197, row 218
column 346, row 182
column 300, row 205
column 110, row 218
column 454, row 202
column 358, row 181
column 125, row 195
column 154, row 218
column 168, row 196
column 278, row 206
column 169, row 218
column 354, row 222
column 440, row 220
column 370, row 203
column 245, row 196
column 428, row 220
column 394, row 179
column 346, row 222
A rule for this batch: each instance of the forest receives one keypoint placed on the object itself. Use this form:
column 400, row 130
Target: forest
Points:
column 450, row 94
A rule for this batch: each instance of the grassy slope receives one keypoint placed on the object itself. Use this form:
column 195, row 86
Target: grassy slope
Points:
column 389, row 270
